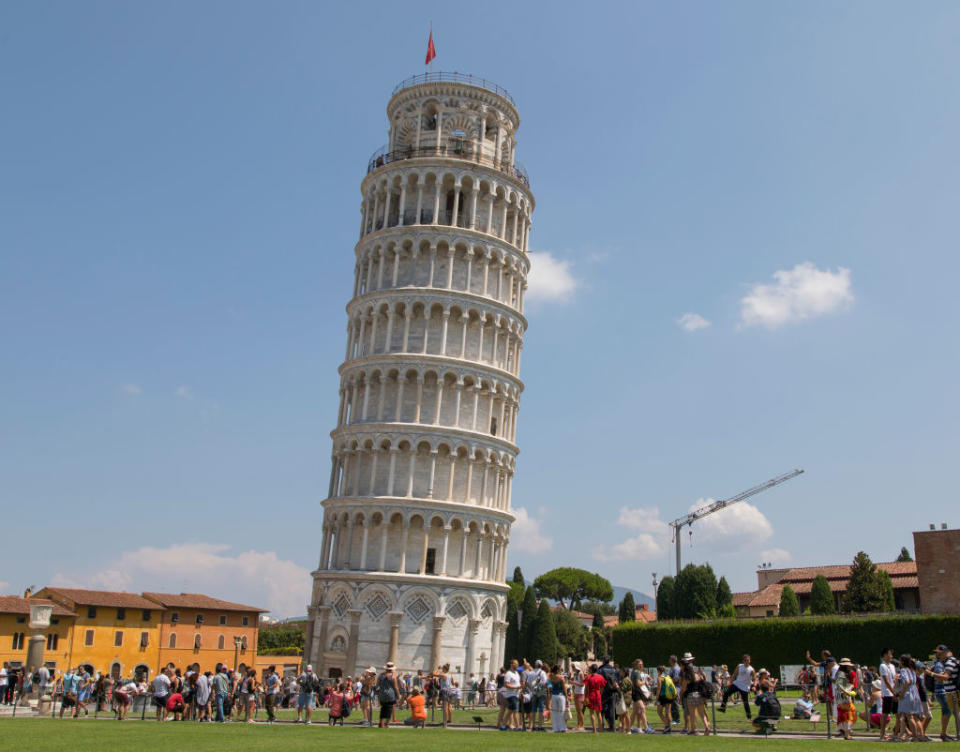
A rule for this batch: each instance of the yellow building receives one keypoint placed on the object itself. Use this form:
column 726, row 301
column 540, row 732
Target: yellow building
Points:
column 15, row 632
column 112, row 631
column 196, row 628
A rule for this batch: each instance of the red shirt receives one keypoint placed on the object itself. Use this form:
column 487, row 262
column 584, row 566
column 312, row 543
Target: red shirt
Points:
column 173, row 700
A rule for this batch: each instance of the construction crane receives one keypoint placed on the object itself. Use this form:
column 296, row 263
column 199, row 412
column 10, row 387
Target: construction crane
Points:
column 716, row 506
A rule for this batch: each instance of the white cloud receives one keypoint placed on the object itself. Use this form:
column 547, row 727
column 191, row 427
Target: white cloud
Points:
column 741, row 522
column 799, row 293
column 132, row 389
column 775, row 556
column 526, row 535
column 4, row 586
column 184, row 392
column 649, row 543
column 550, row 279
column 256, row 578
column 690, row 322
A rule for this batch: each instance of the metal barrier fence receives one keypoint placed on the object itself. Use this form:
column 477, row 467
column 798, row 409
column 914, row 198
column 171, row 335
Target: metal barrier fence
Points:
column 458, row 78
column 383, row 157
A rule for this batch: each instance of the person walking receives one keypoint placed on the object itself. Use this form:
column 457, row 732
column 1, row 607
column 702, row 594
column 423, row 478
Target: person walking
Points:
column 888, row 691
column 271, row 686
column 161, row 691
column 641, row 681
column 846, row 692
column 666, row 697
column 558, row 700
column 611, row 692
column 742, row 681
column 578, row 695
column 908, row 700
column 594, row 684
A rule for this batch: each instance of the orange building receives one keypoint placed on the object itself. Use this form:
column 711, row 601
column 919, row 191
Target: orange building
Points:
column 199, row 629
column 112, row 631
column 15, row 632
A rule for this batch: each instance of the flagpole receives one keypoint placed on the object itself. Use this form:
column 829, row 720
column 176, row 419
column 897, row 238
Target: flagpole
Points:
column 431, row 59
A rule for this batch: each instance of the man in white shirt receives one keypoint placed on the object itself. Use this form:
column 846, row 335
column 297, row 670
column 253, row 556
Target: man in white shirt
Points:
column 742, row 681
column 511, row 685
column 888, row 691
column 161, row 690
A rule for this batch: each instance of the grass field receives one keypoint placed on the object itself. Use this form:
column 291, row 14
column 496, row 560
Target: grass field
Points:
column 40, row 734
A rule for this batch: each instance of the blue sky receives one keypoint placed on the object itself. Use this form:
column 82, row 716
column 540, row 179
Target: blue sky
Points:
column 179, row 201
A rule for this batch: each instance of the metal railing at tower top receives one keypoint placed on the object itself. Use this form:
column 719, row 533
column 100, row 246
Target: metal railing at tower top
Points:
column 383, row 157
column 459, row 78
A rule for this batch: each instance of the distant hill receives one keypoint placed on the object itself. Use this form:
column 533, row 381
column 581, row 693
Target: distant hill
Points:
column 638, row 597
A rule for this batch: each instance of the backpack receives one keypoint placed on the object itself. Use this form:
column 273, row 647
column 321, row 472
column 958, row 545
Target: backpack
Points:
column 668, row 689
column 772, row 706
column 347, row 707
column 387, row 693
column 706, row 687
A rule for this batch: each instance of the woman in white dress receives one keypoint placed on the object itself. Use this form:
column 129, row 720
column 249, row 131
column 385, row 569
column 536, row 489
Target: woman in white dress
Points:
column 908, row 699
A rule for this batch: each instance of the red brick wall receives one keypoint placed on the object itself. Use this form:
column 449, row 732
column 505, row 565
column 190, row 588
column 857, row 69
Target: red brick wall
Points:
column 938, row 554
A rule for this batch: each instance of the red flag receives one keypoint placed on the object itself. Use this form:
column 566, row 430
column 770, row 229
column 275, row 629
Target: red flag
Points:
column 431, row 50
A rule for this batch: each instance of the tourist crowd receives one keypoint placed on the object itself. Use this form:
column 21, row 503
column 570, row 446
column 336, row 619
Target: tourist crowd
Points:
column 897, row 695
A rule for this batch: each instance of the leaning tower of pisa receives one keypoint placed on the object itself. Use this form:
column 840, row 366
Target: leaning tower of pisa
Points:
column 417, row 519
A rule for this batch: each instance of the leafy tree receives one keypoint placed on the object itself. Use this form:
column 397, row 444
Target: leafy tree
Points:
column 863, row 590
column 789, row 605
column 517, row 591
column 599, row 636
column 512, row 645
column 724, row 594
column 885, row 586
column 666, row 599
column 597, row 620
column 571, row 635
column 628, row 609
column 280, row 637
column 696, row 592
column 569, row 586
column 598, row 607
column 821, row 597
column 518, row 576
column 727, row 611
column 528, row 615
column 543, row 640
column 904, row 555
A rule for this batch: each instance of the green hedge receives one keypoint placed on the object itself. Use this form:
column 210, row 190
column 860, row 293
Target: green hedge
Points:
column 780, row 641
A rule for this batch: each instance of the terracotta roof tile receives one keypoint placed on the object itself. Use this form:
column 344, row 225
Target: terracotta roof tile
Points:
column 743, row 599
column 199, row 601
column 103, row 598
column 842, row 571
column 14, row 604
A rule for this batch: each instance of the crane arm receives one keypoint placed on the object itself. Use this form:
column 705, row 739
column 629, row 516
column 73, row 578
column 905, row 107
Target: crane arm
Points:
column 716, row 506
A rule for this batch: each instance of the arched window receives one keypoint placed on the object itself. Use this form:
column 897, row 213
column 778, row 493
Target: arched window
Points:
column 220, row 642
column 196, row 642
column 173, row 639
column 115, row 670
column 243, row 644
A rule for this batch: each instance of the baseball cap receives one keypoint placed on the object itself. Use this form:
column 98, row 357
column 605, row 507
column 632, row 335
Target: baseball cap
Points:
column 942, row 647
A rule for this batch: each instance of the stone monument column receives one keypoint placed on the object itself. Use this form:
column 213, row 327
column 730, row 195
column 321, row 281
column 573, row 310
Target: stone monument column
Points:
column 396, row 617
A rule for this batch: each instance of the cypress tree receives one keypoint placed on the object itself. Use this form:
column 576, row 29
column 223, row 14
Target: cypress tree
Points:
column 543, row 640
column 518, row 576
column 628, row 608
column 527, row 618
column 666, row 595
column 724, row 594
column 863, row 589
column 512, row 646
column 904, row 555
column 885, row 588
column 821, row 597
column 789, row 605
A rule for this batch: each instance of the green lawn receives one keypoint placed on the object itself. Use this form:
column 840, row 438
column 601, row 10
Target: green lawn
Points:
column 40, row 734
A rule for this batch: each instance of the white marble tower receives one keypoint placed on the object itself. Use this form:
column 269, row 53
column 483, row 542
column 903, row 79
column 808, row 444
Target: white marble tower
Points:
column 417, row 520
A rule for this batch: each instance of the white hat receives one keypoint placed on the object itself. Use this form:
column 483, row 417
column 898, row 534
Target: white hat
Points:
column 309, row 667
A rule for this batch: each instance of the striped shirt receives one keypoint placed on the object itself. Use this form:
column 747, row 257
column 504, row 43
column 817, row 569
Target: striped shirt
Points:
column 952, row 668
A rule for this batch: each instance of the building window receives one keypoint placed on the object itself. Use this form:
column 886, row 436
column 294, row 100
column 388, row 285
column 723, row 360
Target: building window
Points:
column 18, row 641
column 174, row 617
column 121, row 614
column 196, row 641
column 199, row 618
column 245, row 621
column 118, row 638
column 769, row 612
column 52, row 641
column 431, row 560
column 91, row 612
column 88, row 638
column 173, row 639
column 115, row 670
column 223, row 620
column 220, row 642
column 21, row 620
column 144, row 639
column 146, row 614
column 243, row 644
column 54, row 620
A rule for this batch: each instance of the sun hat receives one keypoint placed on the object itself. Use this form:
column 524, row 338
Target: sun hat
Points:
column 371, row 670
column 389, row 666
column 846, row 662
column 687, row 658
